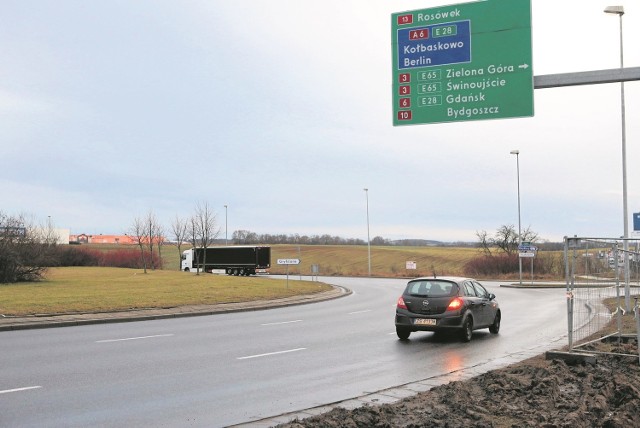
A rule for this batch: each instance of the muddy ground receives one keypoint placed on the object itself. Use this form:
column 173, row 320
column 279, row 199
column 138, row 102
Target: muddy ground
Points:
column 534, row 393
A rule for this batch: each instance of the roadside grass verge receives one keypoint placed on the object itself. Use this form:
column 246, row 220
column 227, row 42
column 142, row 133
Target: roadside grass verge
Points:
column 353, row 260
column 100, row 289
column 386, row 261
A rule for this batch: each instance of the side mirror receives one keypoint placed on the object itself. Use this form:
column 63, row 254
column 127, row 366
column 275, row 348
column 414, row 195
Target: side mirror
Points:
column 492, row 296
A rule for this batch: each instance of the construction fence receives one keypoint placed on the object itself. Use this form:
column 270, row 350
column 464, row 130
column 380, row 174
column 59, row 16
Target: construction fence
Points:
column 603, row 287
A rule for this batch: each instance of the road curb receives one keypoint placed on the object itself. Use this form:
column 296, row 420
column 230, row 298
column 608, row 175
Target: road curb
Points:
column 533, row 286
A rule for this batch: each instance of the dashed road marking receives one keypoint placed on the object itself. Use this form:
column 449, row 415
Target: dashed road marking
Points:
column 26, row 388
column 271, row 353
column 133, row 338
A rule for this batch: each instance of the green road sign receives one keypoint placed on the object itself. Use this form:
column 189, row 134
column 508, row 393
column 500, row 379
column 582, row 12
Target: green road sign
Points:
column 462, row 62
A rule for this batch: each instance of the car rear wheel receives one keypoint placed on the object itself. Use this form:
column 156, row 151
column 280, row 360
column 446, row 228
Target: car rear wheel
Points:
column 495, row 327
column 467, row 329
column 403, row 333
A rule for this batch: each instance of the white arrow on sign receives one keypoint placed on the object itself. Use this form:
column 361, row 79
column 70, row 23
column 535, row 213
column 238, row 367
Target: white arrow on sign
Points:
column 288, row 261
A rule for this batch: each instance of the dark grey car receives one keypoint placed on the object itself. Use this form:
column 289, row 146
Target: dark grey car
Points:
column 444, row 304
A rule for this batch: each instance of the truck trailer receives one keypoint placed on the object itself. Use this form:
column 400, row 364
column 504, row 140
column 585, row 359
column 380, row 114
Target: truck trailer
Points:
column 234, row 260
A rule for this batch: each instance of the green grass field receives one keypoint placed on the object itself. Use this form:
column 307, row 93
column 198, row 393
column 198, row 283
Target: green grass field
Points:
column 93, row 289
column 352, row 260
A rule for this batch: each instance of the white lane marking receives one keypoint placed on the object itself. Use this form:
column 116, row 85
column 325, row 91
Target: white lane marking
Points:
column 282, row 322
column 271, row 353
column 133, row 338
column 26, row 388
column 359, row 312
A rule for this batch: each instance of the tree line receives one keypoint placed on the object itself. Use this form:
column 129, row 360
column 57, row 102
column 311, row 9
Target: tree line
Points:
column 246, row 237
column 27, row 250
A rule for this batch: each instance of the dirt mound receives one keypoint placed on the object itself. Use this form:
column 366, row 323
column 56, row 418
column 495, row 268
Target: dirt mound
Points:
column 533, row 393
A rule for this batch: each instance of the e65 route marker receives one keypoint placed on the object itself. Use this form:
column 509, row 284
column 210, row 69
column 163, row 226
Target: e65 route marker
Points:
column 462, row 62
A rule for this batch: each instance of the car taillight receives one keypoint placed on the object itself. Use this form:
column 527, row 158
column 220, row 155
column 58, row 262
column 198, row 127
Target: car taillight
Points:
column 455, row 304
column 401, row 303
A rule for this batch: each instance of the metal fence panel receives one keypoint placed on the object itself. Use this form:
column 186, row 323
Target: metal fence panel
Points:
column 600, row 301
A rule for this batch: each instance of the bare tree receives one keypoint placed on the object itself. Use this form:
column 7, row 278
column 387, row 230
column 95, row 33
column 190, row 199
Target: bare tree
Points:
column 205, row 228
column 505, row 239
column 529, row 235
column 180, row 230
column 485, row 242
column 160, row 232
column 152, row 236
column 138, row 232
column 240, row 236
column 193, row 238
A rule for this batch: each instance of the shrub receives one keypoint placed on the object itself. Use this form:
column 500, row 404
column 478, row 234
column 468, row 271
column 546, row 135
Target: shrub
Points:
column 75, row 256
column 504, row 264
column 124, row 258
column 129, row 258
column 491, row 265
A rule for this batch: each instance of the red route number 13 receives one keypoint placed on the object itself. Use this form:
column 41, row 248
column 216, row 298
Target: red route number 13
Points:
column 405, row 19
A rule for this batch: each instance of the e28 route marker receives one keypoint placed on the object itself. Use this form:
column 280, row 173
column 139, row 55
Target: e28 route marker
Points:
column 462, row 62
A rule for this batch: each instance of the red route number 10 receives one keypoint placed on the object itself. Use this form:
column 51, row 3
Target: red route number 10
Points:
column 404, row 115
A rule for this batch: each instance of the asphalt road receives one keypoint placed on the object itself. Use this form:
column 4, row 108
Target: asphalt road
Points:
column 231, row 368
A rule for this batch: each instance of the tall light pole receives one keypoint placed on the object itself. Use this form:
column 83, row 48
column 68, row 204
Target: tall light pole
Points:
column 619, row 10
column 225, row 225
column 366, row 192
column 517, row 153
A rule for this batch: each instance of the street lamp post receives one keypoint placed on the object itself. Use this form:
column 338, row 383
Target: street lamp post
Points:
column 619, row 10
column 517, row 153
column 366, row 191
column 225, row 225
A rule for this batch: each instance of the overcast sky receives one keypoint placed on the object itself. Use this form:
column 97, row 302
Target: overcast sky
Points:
column 282, row 110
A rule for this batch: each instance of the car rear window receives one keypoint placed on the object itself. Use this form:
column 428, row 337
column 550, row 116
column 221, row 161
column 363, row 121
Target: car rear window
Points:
column 430, row 288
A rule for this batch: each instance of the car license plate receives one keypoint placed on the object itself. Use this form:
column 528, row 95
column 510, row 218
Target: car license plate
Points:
column 425, row 321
